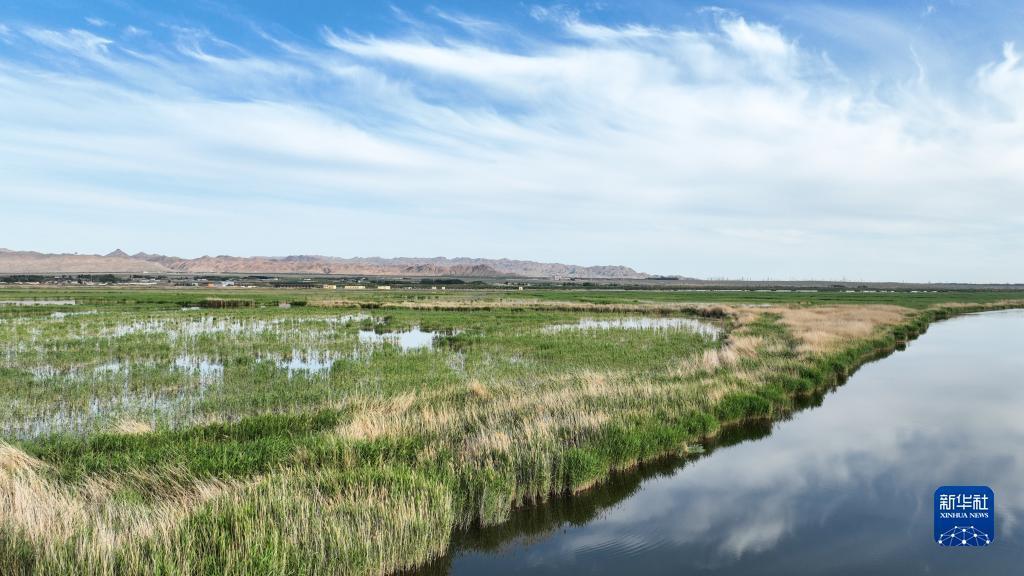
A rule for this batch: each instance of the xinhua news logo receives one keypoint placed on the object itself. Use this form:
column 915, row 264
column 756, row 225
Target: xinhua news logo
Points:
column 964, row 516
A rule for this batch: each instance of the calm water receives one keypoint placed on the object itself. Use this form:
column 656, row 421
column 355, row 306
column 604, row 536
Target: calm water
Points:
column 842, row 488
column 405, row 340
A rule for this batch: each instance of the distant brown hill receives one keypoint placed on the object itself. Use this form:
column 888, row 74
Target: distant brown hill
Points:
column 14, row 262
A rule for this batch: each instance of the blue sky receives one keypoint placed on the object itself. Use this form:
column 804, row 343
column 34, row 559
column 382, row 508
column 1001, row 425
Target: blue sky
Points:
column 856, row 140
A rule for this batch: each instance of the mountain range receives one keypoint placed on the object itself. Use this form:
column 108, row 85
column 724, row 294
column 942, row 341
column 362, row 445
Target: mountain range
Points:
column 118, row 261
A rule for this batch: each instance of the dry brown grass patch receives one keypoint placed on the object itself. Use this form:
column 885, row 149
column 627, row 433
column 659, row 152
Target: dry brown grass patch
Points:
column 377, row 417
column 14, row 460
column 132, row 427
column 51, row 514
column 478, row 389
column 822, row 328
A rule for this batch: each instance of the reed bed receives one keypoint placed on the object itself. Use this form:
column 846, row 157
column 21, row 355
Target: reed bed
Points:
column 256, row 440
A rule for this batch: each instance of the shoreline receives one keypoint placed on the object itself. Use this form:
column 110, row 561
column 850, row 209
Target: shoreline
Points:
column 892, row 339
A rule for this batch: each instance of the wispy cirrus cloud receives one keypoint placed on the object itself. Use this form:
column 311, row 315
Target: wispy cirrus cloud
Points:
column 732, row 149
column 78, row 43
column 1003, row 80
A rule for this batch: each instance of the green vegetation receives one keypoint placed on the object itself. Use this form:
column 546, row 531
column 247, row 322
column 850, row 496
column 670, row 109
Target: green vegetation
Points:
column 150, row 431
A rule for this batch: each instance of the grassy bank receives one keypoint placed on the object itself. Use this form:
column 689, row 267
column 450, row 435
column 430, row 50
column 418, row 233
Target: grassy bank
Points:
column 141, row 437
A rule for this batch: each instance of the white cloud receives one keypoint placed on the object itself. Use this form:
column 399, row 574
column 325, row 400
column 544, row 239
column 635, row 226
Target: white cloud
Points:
column 552, row 13
column 759, row 40
column 78, row 42
column 768, row 50
column 712, row 153
column 470, row 24
column 1004, row 81
column 600, row 33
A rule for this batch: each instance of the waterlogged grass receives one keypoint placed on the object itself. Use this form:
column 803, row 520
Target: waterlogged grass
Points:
column 85, row 373
column 142, row 438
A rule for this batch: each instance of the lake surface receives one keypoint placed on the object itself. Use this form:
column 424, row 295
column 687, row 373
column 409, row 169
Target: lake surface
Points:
column 842, row 488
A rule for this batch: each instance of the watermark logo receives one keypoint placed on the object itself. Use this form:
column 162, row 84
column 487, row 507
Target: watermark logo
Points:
column 964, row 516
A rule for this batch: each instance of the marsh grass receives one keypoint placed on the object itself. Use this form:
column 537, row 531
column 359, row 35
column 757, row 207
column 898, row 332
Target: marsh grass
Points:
column 145, row 464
